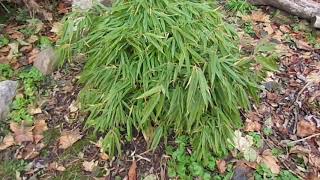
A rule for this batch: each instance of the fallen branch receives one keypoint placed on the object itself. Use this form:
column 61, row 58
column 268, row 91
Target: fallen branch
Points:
column 288, row 142
column 306, row 9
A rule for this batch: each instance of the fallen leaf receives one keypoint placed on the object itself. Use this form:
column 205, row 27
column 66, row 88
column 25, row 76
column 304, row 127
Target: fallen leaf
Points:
column 257, row 16
column 302, row 45
column 300, row 150
column 151, row 177
column 270, row 161
column 242, row 143
column 132, row 174
column 56, row 27
column 55, row 166
column 314, row 160
column 62, row 8
column 250, row 154
column 33, row 110
column 222, row 166
column 68, row 138
column 252, row 126
column 32, row 39
column 32, row 55
column 314, row 77
column 278, row 35
column 21, row 132
column 14, row 50
column 30, row 151
column 268, row 28
column 89, row 165
column 305, row 128
column 103, row 156
column 73, row 108
column 26, row 49
column 14, row 34
column 285, row 28
column 8, row 141
column 39, row 127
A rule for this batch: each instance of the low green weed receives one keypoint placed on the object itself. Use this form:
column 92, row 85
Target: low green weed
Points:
column 19, row 110
column 22, row 15
column 241, row 6
column 263, row 172
column 6, row 72
column 248, row 28
column 30, row 79
column 9, row 168
column 3, row 41
column 185, row 165
column 44, row 42
column 33, row 27
column 257, row 139
column 312, row 39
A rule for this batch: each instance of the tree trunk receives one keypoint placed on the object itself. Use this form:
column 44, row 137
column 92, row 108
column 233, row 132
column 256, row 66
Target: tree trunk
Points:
column 307, row 9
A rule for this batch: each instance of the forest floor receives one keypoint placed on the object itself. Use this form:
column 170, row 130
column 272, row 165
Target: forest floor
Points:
column 45, row 137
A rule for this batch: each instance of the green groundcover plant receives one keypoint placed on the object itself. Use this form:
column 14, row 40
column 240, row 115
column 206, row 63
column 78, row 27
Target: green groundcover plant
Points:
column 162, row 67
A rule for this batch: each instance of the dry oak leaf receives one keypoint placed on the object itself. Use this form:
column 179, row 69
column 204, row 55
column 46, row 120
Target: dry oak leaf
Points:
column 305, row 128
column 32, row 55
column 56, row 27
column 32, row 39
column 252, row 126
column 8, row 141
column 314, row 160
column 257, row 16
column 132, row 174
column 39, row 127
column 222, row 166
column 268, row 28
column 104, row 156
column 89, row 165
column 302, row 45
column 21, row 132
column 55, row 166
column 270, row 161
column 68, row 138
column 34, row 110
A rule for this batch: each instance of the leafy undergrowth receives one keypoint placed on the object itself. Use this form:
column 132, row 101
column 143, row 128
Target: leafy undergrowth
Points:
column 280, row 138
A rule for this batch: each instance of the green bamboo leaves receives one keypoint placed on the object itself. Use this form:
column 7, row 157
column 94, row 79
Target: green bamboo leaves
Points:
column 170, row 66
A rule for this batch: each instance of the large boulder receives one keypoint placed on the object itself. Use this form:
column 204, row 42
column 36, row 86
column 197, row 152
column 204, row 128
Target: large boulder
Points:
column 46, row 61
column 7, row 93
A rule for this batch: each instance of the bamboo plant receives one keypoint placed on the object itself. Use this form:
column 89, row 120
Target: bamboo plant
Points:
column 162, row 67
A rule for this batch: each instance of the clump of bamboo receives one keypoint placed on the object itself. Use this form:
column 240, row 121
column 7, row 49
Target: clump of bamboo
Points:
column 162, row 67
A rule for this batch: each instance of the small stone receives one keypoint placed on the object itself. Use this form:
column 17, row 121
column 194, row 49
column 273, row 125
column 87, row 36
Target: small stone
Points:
column 7, row 93
column 84, row 5
column 46, row 61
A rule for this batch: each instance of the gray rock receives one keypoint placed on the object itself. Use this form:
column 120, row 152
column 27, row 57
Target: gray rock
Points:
column 46, row 61
column 84, row 5
column 7, row 93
